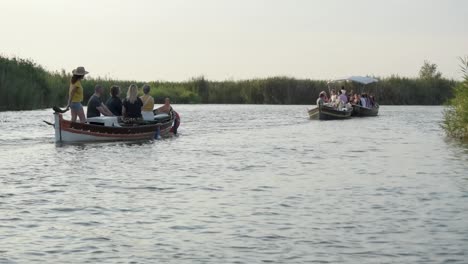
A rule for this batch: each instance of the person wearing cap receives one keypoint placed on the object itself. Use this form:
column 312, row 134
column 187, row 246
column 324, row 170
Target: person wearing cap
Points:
column 75, row 95
column 148, row 104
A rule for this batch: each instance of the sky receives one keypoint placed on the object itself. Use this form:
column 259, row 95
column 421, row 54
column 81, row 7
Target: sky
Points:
column 176, row 40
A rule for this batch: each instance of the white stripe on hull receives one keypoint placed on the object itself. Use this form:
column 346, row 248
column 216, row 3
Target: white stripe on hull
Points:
column 75, row 137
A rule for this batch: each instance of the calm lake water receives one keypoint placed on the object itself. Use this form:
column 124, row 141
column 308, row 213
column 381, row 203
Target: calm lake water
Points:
column 241, row 184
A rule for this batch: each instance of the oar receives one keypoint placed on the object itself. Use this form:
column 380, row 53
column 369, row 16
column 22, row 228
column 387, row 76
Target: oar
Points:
column 58, row 110
column 48, row 123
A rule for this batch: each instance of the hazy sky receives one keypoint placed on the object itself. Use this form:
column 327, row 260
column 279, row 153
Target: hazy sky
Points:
column 237, row 39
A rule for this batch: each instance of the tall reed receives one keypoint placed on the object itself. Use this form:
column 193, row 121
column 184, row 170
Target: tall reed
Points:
column 456, row 115
column 26, row 85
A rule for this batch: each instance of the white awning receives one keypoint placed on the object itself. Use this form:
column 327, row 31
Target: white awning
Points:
column 358, row 79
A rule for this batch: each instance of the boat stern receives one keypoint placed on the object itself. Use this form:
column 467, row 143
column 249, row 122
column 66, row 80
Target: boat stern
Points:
column 58, row 134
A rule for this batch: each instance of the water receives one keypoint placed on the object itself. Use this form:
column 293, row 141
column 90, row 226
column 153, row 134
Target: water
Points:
column 241, row 184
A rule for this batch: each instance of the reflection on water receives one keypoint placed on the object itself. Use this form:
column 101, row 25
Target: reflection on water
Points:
column 241, row 184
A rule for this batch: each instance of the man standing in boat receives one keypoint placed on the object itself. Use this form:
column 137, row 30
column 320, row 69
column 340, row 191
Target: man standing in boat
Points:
column 95, row 105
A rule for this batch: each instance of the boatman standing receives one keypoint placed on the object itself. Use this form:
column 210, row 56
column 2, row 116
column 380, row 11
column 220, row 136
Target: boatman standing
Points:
column 75, row 96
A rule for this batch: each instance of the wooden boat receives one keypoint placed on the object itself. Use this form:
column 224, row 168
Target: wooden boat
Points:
column 314, row 113
column 325, row 112
column 111, row 128
column 357, row 110
column 364, row 111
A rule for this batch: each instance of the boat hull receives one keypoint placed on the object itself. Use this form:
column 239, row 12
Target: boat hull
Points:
column 314, row 113
column 72, row 132
column 330, row 113
column 364, row 111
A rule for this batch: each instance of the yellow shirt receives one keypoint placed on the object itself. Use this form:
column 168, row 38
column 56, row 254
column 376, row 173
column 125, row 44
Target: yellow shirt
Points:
column 78, row 96
column 148, row 103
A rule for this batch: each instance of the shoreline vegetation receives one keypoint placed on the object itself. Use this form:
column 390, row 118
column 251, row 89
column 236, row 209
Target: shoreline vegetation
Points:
column 25, row 85
column 456, row 115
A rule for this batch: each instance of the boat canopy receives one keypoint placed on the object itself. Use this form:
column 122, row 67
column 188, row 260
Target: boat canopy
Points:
column 358, row 79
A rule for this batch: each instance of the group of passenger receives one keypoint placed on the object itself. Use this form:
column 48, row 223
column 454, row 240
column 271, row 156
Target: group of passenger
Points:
column 364, row 100
column 133, row 107
column 346, row 100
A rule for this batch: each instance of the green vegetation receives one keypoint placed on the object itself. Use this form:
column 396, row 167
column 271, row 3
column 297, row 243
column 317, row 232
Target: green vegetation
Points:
column 456, row 116
column 429, row 71
column 26, row 85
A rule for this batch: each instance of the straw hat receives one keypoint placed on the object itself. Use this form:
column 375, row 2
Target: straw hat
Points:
column 79, row 71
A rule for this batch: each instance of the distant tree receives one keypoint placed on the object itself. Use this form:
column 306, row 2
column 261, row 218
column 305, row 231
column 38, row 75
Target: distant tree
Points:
column 429, row 71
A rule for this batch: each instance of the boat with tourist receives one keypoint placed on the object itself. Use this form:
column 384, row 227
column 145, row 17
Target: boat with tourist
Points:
column 345, row 105
column 363, row 104
column 113, row 128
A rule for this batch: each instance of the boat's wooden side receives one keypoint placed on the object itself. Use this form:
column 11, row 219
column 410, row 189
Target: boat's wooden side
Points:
column 364, row 111
column 67, row 131
column 314, row 113
column 330, row 113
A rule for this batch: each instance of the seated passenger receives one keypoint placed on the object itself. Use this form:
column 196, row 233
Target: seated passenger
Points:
column 166, row 108
column 333, row 96
column 343, row 97
column 368, row 103
column 356, row 100
column 95, row 105
column 363, row 100
column 148, row 104
column 132, row 104
column 350, row 96
column 372, row 100
column 114, row 104
column 321, row 99
column 325, row 97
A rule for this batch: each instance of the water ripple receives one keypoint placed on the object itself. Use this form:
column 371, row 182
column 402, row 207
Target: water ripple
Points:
column 241, row 184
